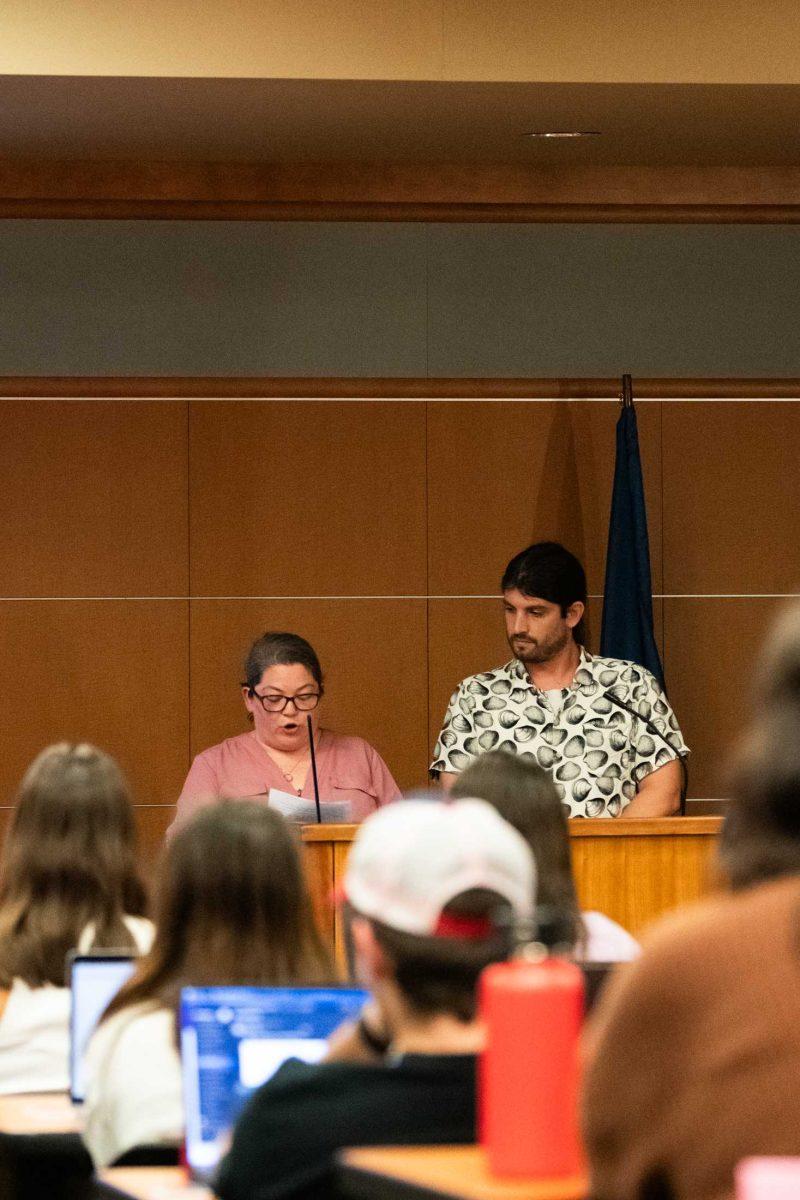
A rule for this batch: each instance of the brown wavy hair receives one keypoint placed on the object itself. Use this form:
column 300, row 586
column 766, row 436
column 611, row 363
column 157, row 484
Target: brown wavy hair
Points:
column 231, row 907
column 68, row 862
column 525, row 796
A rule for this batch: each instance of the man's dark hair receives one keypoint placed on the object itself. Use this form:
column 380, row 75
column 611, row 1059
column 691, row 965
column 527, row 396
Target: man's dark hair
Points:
column 548, row 570
column 440, row 974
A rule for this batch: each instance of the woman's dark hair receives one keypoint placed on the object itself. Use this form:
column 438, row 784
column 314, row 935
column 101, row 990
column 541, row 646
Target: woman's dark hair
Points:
column 231, row 908
column 525, row 796
column 285, row 649
column 68, row 864
column 548, row 570
column 760, row 837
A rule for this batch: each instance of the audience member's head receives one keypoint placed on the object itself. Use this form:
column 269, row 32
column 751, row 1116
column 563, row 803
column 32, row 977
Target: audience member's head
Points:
column 68, row 864
column 704, row 1023
column 231, row 907
column 760, row 837
column 525, row 796
column 434, row 891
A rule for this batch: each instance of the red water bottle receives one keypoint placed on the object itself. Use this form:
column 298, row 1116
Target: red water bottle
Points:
column 528, row 1073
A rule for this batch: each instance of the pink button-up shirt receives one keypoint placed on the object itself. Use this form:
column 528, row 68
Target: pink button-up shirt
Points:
column 348, row 768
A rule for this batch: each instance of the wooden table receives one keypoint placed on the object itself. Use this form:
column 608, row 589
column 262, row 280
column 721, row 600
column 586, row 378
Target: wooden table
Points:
column 152, row 1183
column 631, row 870
column 441, row 1173
column 39, row 1112
column 54, row 1112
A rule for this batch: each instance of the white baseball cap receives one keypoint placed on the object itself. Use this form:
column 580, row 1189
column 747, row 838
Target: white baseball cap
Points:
column 411, row 858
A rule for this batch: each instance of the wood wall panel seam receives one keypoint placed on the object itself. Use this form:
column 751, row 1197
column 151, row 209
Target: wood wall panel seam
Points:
column 266, row 388
column 23, row 599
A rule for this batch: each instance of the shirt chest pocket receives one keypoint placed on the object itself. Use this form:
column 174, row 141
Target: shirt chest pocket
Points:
column 360, row 794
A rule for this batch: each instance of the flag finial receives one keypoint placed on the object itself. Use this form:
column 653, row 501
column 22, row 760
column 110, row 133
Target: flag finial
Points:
column 626, row 394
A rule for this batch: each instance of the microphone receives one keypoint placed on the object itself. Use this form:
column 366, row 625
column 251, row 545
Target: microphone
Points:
column 314, row 768
column 628, row 708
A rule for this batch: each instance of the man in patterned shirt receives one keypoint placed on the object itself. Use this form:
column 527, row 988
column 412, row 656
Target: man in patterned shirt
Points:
column 601, row 726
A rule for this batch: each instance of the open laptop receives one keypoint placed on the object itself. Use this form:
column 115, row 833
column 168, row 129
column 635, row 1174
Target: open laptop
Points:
column 95, row 978
column 233, row 1039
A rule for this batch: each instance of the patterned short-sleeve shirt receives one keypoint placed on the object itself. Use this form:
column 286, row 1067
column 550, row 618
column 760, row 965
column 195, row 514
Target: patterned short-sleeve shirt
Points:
column 596, row 752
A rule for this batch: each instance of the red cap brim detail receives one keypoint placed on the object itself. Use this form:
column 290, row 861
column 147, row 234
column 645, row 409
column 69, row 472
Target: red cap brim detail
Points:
column 467, row 928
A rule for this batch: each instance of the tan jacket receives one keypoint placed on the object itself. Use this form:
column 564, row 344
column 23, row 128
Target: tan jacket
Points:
column 693, row 1057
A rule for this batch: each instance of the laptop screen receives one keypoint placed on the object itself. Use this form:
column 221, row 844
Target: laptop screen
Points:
column 233, row 1039
column 94, row 981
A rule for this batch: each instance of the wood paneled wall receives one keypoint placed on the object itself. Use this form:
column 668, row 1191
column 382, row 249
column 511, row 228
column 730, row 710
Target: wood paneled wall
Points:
column 145, row 543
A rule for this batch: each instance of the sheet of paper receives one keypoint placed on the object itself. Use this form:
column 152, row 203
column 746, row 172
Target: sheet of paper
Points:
column 298, row 808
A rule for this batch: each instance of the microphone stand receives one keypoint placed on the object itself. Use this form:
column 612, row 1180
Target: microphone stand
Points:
column 314, row 769
column 653, row 729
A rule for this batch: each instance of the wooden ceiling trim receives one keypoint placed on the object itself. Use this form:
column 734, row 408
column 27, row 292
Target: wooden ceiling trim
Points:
column 201, row 210
column 387, row 192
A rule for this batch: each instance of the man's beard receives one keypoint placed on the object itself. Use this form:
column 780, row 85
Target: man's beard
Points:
column 540, row 652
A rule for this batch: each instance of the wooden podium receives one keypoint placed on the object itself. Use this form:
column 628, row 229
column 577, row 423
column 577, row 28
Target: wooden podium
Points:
column 631, row 870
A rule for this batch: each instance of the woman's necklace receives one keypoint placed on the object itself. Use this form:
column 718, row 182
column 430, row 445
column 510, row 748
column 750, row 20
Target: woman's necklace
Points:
column 288, row 775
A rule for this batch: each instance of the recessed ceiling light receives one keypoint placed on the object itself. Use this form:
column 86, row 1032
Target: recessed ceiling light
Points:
column 563, row 133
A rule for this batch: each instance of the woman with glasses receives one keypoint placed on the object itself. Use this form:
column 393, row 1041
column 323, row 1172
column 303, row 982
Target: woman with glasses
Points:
column 282, row 688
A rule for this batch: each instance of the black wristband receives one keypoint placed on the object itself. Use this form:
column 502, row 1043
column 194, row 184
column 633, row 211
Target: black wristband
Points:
column 378, row 1045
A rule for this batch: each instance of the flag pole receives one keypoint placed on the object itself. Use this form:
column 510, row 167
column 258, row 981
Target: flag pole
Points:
column 626, row 397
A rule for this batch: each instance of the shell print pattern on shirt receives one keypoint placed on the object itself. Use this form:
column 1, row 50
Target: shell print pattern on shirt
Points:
column 596, row 752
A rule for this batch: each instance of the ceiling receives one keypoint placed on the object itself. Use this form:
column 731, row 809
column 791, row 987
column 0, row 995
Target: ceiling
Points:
column 307, row 121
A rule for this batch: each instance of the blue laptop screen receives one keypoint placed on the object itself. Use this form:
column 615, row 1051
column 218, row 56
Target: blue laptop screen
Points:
column 234, row 1039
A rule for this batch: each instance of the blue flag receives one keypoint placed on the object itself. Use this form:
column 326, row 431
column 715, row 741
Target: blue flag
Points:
column 627, row 630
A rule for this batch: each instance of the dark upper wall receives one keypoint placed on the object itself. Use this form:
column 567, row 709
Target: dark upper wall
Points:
column 372, row 299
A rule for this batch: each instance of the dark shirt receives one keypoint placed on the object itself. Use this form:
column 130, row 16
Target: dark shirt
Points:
column 286, row 1140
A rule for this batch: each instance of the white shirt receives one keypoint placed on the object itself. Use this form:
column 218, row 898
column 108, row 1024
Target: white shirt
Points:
column 34, row 1028
column 606, row 941
column 134, row 1093
column 34, row 1040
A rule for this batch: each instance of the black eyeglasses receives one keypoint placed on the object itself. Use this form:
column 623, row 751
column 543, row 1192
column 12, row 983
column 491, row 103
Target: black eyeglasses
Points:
column 274, row 702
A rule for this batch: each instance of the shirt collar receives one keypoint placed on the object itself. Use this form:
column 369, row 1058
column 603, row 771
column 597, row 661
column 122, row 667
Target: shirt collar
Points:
column 582, row 678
